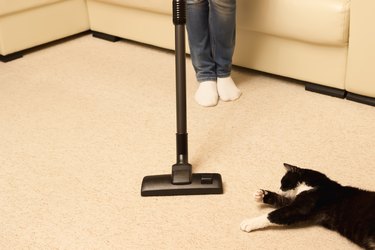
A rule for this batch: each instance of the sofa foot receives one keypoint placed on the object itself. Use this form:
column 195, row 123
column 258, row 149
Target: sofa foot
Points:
column 361, row 98
column 340, row 93
column 11, row 57
column 105, row 36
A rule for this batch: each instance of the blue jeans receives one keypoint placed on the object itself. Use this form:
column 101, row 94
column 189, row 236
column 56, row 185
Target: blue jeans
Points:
column 211, row 27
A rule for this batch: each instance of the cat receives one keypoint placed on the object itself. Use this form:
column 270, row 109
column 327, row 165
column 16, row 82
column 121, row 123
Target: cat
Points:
column 310, row 197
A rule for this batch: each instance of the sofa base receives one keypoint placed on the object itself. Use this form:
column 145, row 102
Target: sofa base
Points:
column 340, row 93
column 19, row 54
column 105, row 36
column 361, row 99
column 10, row 57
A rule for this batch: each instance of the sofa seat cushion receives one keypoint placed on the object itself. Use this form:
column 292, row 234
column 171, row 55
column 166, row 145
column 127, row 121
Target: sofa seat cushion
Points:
column 315, row 21
column 8, row 7
column 158, row 6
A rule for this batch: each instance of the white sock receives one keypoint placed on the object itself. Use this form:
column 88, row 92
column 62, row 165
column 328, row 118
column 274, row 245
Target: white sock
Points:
column 206, row 94
column 227, row 89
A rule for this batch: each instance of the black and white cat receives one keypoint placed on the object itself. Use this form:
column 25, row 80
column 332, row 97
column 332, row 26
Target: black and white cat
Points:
column 311, row 197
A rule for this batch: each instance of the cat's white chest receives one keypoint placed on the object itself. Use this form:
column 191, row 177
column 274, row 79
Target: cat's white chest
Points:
column 299, row 189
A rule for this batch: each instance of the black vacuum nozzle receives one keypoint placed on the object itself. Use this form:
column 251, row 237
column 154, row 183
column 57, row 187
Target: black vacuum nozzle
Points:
column 182, row 181
column 161, row 185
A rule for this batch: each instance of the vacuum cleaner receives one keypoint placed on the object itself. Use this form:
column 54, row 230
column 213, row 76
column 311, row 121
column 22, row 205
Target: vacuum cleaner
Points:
column 181, row 181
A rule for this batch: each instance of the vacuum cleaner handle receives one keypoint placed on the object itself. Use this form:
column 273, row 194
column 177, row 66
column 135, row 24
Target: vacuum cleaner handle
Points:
column 182, row 170
column 179, row 20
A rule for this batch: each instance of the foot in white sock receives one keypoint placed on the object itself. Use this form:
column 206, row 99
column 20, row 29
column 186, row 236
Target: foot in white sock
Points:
column 206, row 94
column 227, row 89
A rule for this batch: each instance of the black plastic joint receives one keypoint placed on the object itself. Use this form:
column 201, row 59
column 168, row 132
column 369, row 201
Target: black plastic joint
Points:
column 179, row 12
column 181, row 174
column 182, row 144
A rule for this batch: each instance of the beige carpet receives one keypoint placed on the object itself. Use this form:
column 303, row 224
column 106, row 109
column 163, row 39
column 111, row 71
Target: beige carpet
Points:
column 82, row 122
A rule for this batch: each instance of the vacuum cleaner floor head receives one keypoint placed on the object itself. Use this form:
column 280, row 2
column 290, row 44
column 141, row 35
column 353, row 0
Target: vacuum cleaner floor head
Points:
column 161, row 185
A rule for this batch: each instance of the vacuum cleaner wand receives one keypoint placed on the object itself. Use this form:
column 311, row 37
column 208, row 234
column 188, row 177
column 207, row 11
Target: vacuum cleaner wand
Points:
column 182, row 181
column 181, row 171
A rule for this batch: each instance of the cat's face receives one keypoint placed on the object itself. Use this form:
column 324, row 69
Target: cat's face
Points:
column 291, row 179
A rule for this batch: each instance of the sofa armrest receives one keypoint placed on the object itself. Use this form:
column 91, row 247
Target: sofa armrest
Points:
column 360, row 77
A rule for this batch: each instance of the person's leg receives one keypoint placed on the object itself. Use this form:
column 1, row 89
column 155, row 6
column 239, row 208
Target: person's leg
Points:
column 201, row 51
column 199, row 39
column 222, row 22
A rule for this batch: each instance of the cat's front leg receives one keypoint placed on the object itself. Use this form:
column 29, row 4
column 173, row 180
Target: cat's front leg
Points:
column 263, row 221
column 253, row 224
column 262, row 196
column 271, row 198
column 299, row 211
column 282, row 216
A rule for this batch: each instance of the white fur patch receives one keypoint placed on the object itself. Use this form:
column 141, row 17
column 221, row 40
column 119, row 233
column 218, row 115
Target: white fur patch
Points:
column 249, row 225
column 294, row 192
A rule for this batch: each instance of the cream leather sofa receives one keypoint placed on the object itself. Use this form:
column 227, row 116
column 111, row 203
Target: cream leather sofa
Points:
column 326, row 43
column 28, row 23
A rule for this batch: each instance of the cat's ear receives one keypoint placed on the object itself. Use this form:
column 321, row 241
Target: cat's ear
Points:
column 290, row 168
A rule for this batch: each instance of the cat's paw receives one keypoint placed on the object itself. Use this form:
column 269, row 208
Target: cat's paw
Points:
column 256, row 223
column 259, row 195
column 247, row 225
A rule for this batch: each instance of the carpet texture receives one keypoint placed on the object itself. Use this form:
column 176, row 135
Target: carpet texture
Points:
column 82, row 122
